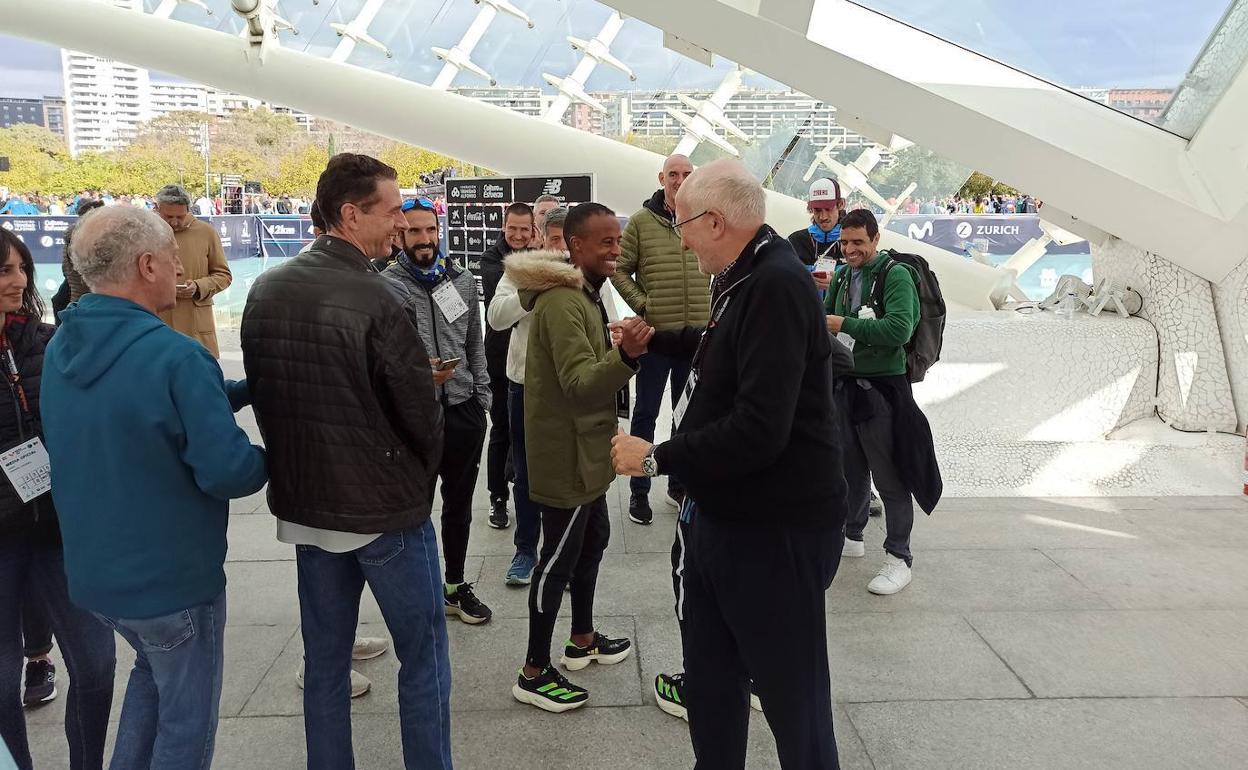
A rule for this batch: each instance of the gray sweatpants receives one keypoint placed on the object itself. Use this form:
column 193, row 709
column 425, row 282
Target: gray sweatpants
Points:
column 869, row 454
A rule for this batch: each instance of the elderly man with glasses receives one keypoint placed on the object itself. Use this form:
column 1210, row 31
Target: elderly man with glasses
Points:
column 204, row 270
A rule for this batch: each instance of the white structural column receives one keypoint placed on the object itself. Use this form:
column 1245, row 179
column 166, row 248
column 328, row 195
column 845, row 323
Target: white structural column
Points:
column 357, row 32
column 1194, row 391
column 572, row 88
column 1230, row 299
column 709, row 115
column 459, row 57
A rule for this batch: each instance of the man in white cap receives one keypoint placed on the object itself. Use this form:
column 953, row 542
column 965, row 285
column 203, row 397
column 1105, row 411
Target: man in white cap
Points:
column 821, row 240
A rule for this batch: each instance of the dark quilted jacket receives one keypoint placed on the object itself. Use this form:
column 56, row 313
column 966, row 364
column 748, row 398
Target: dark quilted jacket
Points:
column 343, row 394
column 29, row 339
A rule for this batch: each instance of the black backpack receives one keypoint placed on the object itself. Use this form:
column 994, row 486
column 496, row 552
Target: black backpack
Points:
column 923, row 349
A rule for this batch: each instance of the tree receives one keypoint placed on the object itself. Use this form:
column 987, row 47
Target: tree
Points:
column 663, row 145
column 936, row 176
column 980, row 185
column 298, row 172
column 411, row 162
column 149, row 163
column 35, row 156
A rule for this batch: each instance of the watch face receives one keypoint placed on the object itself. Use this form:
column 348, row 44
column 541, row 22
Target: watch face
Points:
column 648, row 466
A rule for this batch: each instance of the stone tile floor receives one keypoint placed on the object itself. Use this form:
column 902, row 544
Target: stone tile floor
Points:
column 1038, row 633
column 1047, row 633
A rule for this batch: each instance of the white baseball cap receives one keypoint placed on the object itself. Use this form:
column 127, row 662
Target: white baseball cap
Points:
column 824, row 194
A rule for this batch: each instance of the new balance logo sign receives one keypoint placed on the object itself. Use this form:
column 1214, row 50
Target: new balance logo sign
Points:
column 919, row 233
column 552, row 187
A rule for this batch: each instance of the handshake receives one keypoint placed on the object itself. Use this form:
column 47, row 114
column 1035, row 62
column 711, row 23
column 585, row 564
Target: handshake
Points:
column 632, row 335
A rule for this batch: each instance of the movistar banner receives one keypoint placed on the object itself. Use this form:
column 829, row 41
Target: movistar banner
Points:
column 998, row 234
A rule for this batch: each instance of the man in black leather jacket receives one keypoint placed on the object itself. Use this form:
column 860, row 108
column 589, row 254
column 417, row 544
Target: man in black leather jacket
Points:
column 344, row 398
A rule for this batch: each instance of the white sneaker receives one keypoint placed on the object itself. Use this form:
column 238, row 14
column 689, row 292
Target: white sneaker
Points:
column 854, row 549
column 893, row 577
column 360, row 684
column 367, row 647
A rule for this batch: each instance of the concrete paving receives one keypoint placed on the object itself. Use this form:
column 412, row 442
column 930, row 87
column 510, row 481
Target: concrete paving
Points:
column 1038, row 633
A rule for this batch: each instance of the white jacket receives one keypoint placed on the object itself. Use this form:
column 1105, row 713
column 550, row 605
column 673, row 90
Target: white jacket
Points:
column 505, row 313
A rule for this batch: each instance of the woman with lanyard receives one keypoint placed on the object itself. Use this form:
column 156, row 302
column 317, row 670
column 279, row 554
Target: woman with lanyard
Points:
column 31, row 561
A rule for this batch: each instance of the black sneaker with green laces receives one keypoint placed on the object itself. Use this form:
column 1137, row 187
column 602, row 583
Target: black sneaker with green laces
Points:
column 602, row 650
column 465, row 605
column 549, row 691
column 669, row 693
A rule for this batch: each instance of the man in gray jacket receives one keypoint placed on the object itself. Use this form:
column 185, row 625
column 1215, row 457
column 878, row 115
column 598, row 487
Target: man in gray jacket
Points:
column 443, row 300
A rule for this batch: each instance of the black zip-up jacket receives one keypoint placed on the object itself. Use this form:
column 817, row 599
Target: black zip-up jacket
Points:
column 758, row 442
column 496, row 342
column 29, row 339
column 343, row 393
column 808, row 251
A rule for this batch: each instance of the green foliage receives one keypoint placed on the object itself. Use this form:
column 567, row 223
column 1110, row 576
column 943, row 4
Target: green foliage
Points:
column 980, row 185
column 257, row 145
column 411, row 162
column 936, row 176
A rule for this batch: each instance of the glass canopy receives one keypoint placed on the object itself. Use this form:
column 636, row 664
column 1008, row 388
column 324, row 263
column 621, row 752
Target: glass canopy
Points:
column 1136, row 56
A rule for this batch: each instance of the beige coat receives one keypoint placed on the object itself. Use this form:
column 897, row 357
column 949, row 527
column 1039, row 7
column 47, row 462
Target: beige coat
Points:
column 203, row 264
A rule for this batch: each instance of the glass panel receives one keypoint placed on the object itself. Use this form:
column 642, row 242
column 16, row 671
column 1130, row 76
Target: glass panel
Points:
column 1131, row 55
column 792, row 139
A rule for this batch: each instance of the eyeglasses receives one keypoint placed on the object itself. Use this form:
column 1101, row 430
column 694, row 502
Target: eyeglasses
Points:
column 415, row 203
column 676, row 227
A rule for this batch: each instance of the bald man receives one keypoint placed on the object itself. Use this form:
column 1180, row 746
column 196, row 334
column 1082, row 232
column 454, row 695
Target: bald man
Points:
column 659, row 279
column 756, row 446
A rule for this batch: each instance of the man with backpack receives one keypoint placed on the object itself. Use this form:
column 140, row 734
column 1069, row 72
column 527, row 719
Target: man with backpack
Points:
column 874, row 307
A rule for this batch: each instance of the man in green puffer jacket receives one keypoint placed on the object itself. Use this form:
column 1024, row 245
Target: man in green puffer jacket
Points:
column 660, row 281
column 575, row 388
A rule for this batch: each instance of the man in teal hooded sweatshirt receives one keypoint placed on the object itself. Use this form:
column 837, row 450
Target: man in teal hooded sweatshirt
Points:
column 145, row 457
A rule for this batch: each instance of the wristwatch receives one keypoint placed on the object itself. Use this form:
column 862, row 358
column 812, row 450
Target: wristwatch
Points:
column 649, row 464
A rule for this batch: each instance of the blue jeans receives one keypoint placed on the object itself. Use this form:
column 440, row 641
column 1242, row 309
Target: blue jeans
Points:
column 528, row 515
column 33, row 571
column 651, row 381
column 169, row 717
column 402, row 570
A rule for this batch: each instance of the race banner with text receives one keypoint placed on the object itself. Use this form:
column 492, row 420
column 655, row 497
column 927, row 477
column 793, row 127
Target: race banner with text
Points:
column 997, row 234
column 44, row 235
column 475, row 208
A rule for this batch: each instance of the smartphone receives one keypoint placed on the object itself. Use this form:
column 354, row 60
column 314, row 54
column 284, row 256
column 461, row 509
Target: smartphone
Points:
column 449, row 363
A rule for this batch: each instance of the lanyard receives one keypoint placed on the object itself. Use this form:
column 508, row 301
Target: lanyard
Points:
column 15, row 377
column 815, row 245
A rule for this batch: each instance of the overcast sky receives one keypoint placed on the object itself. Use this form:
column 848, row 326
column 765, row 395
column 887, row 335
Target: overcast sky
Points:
column 1124, row 43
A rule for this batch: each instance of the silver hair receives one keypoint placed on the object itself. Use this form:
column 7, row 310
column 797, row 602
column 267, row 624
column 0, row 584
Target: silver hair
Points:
column 173, row 195
column 108, row 242
column 557, row 217
column 543, row 198
column 727, row 187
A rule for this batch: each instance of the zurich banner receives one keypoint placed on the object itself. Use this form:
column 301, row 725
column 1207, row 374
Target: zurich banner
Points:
column 997, row 234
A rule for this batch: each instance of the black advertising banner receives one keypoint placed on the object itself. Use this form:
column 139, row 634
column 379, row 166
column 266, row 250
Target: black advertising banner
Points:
column 568, row 189
column 475, row 208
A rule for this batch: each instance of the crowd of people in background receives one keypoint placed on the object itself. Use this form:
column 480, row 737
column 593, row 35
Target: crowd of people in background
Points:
column 374, row 383
column 984, row 204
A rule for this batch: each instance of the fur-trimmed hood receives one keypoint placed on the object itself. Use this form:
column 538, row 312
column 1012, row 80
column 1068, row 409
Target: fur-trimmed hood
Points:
column 534, row 272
